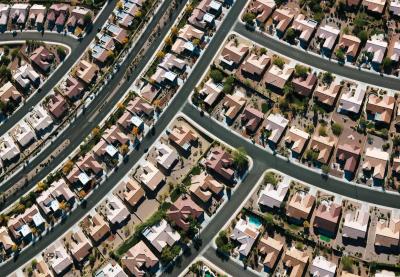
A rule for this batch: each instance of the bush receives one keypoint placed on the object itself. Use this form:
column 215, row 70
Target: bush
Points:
column 322, row 131
column 337, row 129
column 216, row 75
column 327, row 78
column 270, row 178
column 300, row 71
column 61, row 53
column 279, row 62
column 249, row 18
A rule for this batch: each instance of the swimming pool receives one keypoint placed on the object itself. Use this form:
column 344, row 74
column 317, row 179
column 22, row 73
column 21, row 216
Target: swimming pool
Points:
column 255, row 221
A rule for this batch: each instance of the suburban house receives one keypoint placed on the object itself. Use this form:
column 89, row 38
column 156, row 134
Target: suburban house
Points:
column 161, row 235
column 375, row 162
column 97, row 227
column 163, row 76
column 210, row 92
column 170, row 62
column 71, row 87
column 149, row 92
column 246, row 235
column 80, row 246
column 115, row 211
column 387, row 232
column 133, row 192
column 305, row 27
column 233, row 104
column 183, row 138
column 140, row 107
column 300, row 206
column 111, row 269
column 327, row 217
column 276, row 124
column 201, row 19
column 41, row 269
column 277, row 77
column 42, row 58
column 262, row 8
column 139, row 260
column 348, row 155
column 320, row 266
column 304, row 86
column 19, row 226
column 9, row 93
column 350, row 44
column 183, row 210
column 104, row 150
column 86, row 71
column 355, row 225
column 282, row 19
column 115, row 136
column 233, row 54
column 380, row 108
column 327, row 94
column 19, row 13
column 166, row 157
column 77, row 17
column 57, row 105
column 123, row 18
column 78, row 177
column 57, row 15
column 205, row 187
column 151, row 176
column 352, row 100
column 297, row 140
column 270, row 250
column 255, row 65
column 8, row 149
column 22, row 134
column 100, row 53
column 89, row 164
column 25, row 76
column 59, row 260
column 394, row 49
column 50, row 199
column 119, row 34
column 39, row 119
column 37, row 14
column 296, row 260
column 220, row 162
column 323, row 146
column 375, row 6
column 5, row 239
column 329, row 36
column 251, row 118
column 273, row 197
column 376, row 47
column 4, row 11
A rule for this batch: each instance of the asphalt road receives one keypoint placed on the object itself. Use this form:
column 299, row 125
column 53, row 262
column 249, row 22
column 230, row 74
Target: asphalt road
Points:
column 227, row 265
column 100, row 106
column 84, row 126
column 77, row 49
column 316, row 61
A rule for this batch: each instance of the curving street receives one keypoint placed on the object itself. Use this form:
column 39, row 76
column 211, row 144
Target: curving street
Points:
column 77, row 49
column 108, row 97
column 317, row 61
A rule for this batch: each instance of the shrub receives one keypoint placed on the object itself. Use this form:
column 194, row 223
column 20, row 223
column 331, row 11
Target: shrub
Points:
column 337, row 129
column 216, row 75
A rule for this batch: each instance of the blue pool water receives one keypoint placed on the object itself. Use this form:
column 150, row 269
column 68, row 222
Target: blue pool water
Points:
column 255, row 221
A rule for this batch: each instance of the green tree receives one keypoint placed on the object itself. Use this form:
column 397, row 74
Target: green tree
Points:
column 327, row 78
column 337, row 129
column 347, row 263
column 325, row 169
column 340, row 54
column 170, row 253
column 387, row 64
column 61, row 53
column 363, row 36
column 290, row 35
column 216, row 75
column 301, row 71
column 279, row 62
column 249, row 18
column 240, row 158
